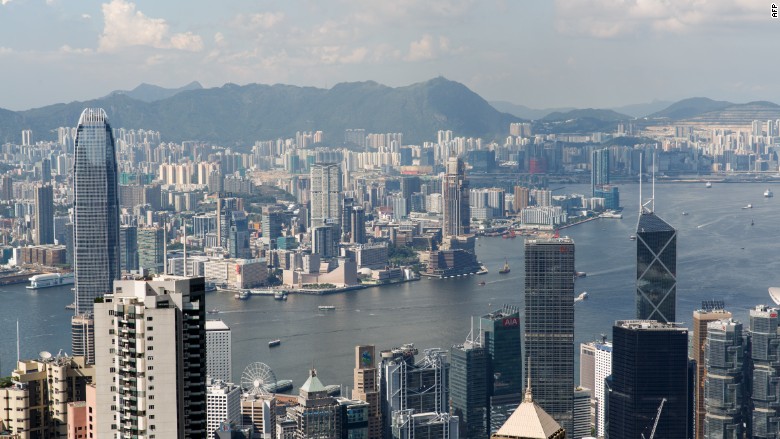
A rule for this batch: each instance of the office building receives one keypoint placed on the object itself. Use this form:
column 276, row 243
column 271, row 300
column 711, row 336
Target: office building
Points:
column 316, row 415
column 258, row 412
column 44, row 215
column 530, row 421
column 649, row 365
column 408, row 424
column 656, row 269
column 468, row 388
column 324, row 241
column 455, row 199
column 581, row 427
column 549, row 326
column 6, row 188
column 35, row 405
column 219, row 365
column 711, row 311
column 95, row 210
column 502, row 339
column 354, row 418
column 326, row 194
column 223, row 405
column 272, row 225
column 764, row 352
column 82, row 329
column 366, row 388
column 357, row 228
column 143, row 391
column 599, row 169
column 407, row 384
column 725, row 387
column 128, row 244
column 595, row 367
column 151, row 249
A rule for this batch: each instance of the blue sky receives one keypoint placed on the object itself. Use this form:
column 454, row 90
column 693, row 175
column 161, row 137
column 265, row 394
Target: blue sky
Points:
column 582, row 53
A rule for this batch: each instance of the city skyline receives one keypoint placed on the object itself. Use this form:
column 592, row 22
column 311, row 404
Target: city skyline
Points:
column 119, row 44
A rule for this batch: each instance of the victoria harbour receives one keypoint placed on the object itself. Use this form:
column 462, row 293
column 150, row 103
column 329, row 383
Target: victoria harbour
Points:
column 725, row 252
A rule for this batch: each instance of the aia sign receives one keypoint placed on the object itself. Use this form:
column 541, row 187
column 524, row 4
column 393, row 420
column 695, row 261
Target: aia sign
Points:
column 511, row 321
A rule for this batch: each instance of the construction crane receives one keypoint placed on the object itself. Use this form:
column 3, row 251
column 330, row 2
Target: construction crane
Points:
column 657, row 417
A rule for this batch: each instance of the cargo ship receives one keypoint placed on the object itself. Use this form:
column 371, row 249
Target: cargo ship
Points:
column 505, row 269
column 50, row 280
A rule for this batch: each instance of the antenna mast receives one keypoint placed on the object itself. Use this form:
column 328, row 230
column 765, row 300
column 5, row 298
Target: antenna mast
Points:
column 652, row 208
column 185, row 246
column 641, row 209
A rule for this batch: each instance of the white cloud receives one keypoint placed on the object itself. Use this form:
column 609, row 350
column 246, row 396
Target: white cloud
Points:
column 5, row 2
column 617, row 18
column 428, row 48
column 258, row 21
column 125, row 27
column 219, row 38
column 86, row 16
column 67, row 49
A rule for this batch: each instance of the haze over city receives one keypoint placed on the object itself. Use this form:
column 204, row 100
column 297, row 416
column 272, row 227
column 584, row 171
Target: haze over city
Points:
column 580, row 53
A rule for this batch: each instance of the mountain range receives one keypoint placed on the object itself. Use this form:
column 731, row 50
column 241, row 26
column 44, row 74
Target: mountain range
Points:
column 234, row 115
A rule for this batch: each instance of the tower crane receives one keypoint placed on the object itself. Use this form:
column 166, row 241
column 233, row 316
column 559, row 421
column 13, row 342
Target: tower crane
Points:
column 657, row 417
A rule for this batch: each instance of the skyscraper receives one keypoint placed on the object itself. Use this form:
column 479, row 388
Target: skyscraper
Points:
column 151, row 249
column 711, row 311
column 326, row 193
column 649, row 364
column 656, row 268
column 599, row 169
column 143, row 391
column 468, row 388
column 455, row 195
column 357, row 229
column 366, row 388
column 218, row 350
column 725, row 386
column 128, row 243
column 96, row 210
column 44, row 215
column 595, row 367
column 503, row 341
column 764, row 350
column 549, row 327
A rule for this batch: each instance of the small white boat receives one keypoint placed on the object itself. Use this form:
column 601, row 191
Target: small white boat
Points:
column 632, row 237
column 768, row 193
column 326, row 307
column 213, row 311
column 749, row 206
column 280, row 295
column 242, row 295
column 581, row 297
column 71, row 306
column 274, row 343
column 708, row 185
column 685, row 213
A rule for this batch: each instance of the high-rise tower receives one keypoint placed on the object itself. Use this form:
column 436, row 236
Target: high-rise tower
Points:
column 366, row 387
column 455, row 195
column 711, row 311
column 96, row 210
column 44, row 215
column 725, row 384
column 549, row 327
column 326, row 194
column 656, row 265
column 599, row 169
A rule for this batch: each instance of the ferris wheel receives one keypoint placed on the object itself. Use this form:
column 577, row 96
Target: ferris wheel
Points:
column 258, row 379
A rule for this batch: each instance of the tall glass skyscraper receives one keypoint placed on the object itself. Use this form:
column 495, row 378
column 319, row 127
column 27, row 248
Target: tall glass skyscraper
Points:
column 764, row 353
column 549, row 324
column 455, row 196
column 656, row 269
column 599, row 169
column 649, row 363
column 503, row 341
column 96, row 210
column 724, row 384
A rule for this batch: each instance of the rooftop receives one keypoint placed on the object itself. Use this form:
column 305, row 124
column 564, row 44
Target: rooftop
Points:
column 649, row 222
column 216, row 325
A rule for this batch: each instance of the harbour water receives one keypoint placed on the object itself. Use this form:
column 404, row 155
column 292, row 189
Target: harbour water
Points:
column 720, row 256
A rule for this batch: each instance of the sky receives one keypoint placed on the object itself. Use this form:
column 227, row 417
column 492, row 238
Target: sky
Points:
column 542, row 54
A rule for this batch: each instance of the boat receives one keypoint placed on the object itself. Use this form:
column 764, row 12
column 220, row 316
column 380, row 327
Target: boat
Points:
column 49, row 280
column 326, row 307
column 751, row 222
column 482, row 283
column 708, row 185
column 261, row 292
column 611, row 214
column 71, row 306
column 242, row 295
column 279, row 386
column 210, row 286
column 749, row 206
column 632, row 237
column 274, row 343
column 583, row 296
column 580, row 274
column 213, row 311
column 685, row 213
column 280, row 295
column 768, row 193
column 505, row 269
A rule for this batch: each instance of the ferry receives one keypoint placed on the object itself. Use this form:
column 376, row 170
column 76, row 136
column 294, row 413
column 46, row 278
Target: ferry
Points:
column 505, row 269
column 210, row 286
column 581, row 297
column 71, row 306
column 280, row 295
column 326, row 307
column 274, row 343
column 213, row 311
column 50, row 280
column 242, row 295
column 611, row 214
column 278, row 386
column 768, row 193
column 261, row 292
column 580, row 274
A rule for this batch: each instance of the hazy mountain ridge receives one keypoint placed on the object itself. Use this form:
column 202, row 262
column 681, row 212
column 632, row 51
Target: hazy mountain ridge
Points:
column 150, row 93
column 234, row 114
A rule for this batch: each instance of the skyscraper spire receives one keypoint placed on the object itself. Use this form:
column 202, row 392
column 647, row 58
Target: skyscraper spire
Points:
column 528, row 394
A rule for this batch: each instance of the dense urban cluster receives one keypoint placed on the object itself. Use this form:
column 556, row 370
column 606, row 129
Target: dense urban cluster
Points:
column 145, row 229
